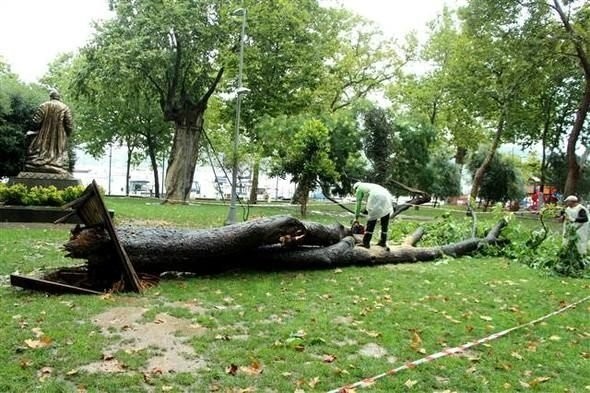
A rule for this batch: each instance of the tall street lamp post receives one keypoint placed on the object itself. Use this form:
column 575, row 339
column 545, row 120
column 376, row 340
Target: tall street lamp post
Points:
column 241, row 90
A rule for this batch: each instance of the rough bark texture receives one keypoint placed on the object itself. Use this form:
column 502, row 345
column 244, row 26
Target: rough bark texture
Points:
column 573, row 167
column 480, row 172
column 182, row 161
column 274, row 243
column 188, row 117
column 255, row 175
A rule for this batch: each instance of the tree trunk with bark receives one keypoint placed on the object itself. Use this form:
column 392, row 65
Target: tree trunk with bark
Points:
column 255, row 174
column 188, row 117
column 578, row 41
column 480, row 172
column 574, row 169
column 154, row 164
column 273, row 243
column 183, row 159
column 130, row 149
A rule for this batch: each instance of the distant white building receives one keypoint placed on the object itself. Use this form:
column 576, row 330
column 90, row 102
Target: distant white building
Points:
column 109, row 171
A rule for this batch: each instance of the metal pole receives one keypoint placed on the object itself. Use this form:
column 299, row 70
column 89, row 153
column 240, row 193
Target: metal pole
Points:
column 163, row 174
column 110, row 164
column 231, row 217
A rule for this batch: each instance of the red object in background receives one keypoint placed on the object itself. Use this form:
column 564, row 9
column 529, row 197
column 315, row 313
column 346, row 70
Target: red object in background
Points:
column 535, row 198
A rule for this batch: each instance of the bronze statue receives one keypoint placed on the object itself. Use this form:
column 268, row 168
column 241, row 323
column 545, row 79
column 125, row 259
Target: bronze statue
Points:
column 48, row 151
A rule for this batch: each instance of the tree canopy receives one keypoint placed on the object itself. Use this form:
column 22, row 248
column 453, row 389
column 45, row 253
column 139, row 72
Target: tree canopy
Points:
column 160, row 72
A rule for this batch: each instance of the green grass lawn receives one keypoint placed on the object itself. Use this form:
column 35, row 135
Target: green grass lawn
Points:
column 307, row 331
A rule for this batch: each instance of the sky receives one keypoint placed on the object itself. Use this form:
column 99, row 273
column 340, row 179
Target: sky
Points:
column 34, row 32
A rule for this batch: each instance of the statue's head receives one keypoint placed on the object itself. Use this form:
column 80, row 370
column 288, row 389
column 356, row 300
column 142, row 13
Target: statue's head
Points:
column 54, row 94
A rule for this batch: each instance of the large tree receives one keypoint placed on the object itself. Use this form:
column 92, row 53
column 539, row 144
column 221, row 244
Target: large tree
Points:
column 501, row 182
column 169, row 51
column 499, row 64
column 300, row 57
column 428, row 94
column 575, row 21
column 17, row 104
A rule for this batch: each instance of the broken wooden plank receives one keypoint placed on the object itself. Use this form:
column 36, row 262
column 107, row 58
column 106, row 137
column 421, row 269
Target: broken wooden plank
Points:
column 39, row 284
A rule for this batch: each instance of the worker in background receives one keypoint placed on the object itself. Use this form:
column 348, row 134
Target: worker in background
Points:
column 576, row 215
column 379, row 207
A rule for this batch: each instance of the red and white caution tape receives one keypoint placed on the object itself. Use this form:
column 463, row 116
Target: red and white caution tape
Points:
column 450, row 351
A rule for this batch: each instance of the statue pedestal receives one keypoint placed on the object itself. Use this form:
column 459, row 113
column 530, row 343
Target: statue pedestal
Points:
column 45, row 179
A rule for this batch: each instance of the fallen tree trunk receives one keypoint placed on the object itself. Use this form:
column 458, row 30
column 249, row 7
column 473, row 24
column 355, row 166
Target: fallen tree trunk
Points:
column 140, row 255
column 271, row 243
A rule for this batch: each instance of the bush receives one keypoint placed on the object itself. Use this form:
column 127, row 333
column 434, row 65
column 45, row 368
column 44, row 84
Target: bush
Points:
column 543, row 251
column 20, row 195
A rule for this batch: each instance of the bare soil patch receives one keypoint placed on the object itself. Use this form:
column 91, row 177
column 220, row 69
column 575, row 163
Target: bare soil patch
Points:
column 165, row 336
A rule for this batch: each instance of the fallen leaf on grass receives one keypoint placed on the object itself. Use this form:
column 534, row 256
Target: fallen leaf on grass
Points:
column 532, row 346
column 416, row 341
column 43, row 342
column 329, row 358
column 253, row 369
column 516, row 355
column 410, row 383
column 555, row 338
column 485, row 318
column 370, row 333
column 447, row 316
column 314, row 381
column 538, row 380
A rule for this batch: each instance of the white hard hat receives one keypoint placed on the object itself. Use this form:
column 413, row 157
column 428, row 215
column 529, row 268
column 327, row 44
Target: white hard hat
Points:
column 571, row 198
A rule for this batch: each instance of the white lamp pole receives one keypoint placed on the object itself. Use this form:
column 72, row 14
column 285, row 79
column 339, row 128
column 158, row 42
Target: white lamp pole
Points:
column 231, row 217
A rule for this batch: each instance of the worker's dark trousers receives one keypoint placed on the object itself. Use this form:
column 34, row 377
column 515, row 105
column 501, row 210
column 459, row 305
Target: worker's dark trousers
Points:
column 371, row 227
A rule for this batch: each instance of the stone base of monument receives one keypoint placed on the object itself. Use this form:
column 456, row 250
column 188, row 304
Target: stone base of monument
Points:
column 47, row 214
column 45, row 179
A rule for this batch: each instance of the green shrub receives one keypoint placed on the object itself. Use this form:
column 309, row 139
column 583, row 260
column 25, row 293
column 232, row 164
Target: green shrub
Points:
column 543, row 251
column 20, row 195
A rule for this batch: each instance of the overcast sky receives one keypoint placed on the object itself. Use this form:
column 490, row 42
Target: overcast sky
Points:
column 33, row 32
